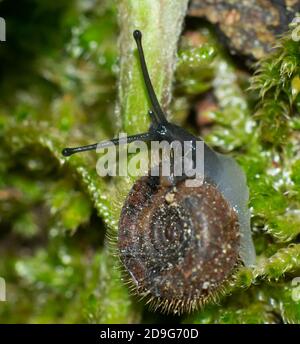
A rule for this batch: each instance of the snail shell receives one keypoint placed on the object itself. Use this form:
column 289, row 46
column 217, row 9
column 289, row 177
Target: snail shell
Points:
column 178, row 243
column 181, row 244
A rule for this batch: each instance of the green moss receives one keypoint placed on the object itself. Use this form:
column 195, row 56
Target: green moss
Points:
column 57, row 265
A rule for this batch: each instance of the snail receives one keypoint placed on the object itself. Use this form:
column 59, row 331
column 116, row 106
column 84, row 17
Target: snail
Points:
column 181, row 245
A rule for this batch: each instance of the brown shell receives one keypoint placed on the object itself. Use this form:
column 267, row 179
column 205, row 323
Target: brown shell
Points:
column 178, row 244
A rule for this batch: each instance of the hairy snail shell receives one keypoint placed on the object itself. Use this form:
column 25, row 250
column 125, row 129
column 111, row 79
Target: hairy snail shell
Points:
column 181, row 244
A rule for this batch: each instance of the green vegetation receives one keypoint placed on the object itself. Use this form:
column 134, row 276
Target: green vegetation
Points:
column 58, row 218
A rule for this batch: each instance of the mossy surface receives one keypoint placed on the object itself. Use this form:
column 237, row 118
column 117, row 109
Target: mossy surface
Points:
column 58, row 218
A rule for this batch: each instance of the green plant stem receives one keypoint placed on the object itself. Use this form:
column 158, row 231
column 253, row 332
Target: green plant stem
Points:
column 160, row 22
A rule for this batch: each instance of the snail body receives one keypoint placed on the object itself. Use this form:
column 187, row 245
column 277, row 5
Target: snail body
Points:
column 179, row 244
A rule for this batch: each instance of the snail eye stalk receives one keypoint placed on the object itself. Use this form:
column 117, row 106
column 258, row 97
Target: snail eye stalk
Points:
column 160, row 116
column 145, row 137
column 156, row 114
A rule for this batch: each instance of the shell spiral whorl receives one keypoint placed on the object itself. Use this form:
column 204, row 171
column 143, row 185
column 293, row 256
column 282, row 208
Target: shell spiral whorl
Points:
column 179, row 244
